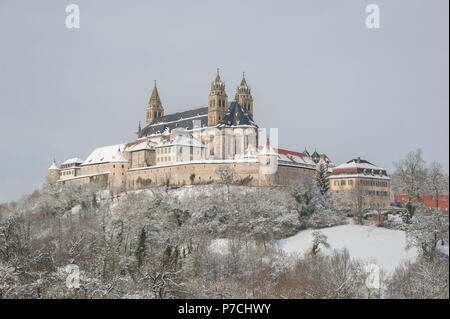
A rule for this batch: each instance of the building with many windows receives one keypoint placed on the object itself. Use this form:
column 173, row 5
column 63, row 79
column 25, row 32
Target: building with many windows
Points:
column 360, row 184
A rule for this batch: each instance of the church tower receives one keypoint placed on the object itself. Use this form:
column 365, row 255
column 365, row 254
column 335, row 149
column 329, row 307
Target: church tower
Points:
column 154, row 108
column 217, row 101
column 53, row 173
column 244, row 96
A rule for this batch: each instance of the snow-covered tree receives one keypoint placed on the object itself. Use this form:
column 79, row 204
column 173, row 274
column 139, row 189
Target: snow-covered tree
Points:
column 422, row 279
column 322, row 178
column 318, row 239
column 425, row 232
column 437, row 181
column 410, row 175
column 316, row 210
column 227, row 175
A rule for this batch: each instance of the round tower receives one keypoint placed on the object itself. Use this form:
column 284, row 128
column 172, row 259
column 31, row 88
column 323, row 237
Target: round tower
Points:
column 53, row 173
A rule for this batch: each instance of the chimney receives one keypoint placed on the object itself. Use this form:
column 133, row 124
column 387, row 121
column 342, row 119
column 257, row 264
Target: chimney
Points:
column 358, row 159
column 267, row 143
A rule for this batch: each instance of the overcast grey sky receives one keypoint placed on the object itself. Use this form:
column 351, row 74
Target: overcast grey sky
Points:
column 316, row 72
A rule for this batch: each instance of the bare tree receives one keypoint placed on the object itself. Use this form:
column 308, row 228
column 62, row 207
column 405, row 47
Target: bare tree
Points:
column 226, row 175
column 410, row 175
column 356, row 200
column 437, row 181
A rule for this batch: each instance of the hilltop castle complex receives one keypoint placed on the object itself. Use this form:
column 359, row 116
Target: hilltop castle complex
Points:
column 188, row 147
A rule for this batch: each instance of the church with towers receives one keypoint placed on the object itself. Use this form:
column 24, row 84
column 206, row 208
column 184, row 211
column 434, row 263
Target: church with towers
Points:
column 189, row 147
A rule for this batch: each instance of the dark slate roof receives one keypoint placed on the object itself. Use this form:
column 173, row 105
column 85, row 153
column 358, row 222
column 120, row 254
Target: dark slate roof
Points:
column 315, row 154
column 236, row 115
column 177, row 120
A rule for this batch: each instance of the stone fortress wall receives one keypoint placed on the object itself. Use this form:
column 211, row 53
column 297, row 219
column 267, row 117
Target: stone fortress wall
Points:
column 119, row 179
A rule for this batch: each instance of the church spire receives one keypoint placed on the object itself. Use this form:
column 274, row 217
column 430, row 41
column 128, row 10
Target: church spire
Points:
column 217, row 76
column 139, row 129
column 244, row 96
column 243, row 82
column 217, row 101
column 154, row 108
column 154, row 99
column 218, row 86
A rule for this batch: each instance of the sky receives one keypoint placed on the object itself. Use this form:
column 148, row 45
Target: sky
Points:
column 317, row 73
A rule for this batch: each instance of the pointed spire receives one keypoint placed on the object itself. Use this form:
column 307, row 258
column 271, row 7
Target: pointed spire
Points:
column 154, row 99
column 218, row 76
column 306, row 151
column 315, row 156
column 217, row 85
column 53, row 166
column 139, row 129
column 243, row 92
column 243, row 82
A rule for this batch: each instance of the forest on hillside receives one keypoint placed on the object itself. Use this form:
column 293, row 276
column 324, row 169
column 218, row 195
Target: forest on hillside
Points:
column 157, row 243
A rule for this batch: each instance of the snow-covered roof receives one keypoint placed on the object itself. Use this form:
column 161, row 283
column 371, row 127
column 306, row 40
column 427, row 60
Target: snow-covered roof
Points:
column 75, row 160
column 355, row 164
column 106, row 154
column 140, row 145
column 267, row 150
column 360, row 175
column 53, row 166
column 181, row 140
column 296, row 158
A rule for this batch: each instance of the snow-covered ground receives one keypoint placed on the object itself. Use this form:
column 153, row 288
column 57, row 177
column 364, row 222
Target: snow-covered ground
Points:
column 378, row 245
column 443, row 249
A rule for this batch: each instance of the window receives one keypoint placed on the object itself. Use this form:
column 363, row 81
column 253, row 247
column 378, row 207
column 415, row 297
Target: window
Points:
column 350, row 182
column 342, row 182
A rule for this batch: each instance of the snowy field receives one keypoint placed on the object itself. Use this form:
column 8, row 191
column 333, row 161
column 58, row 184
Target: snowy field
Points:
column 378, row 245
